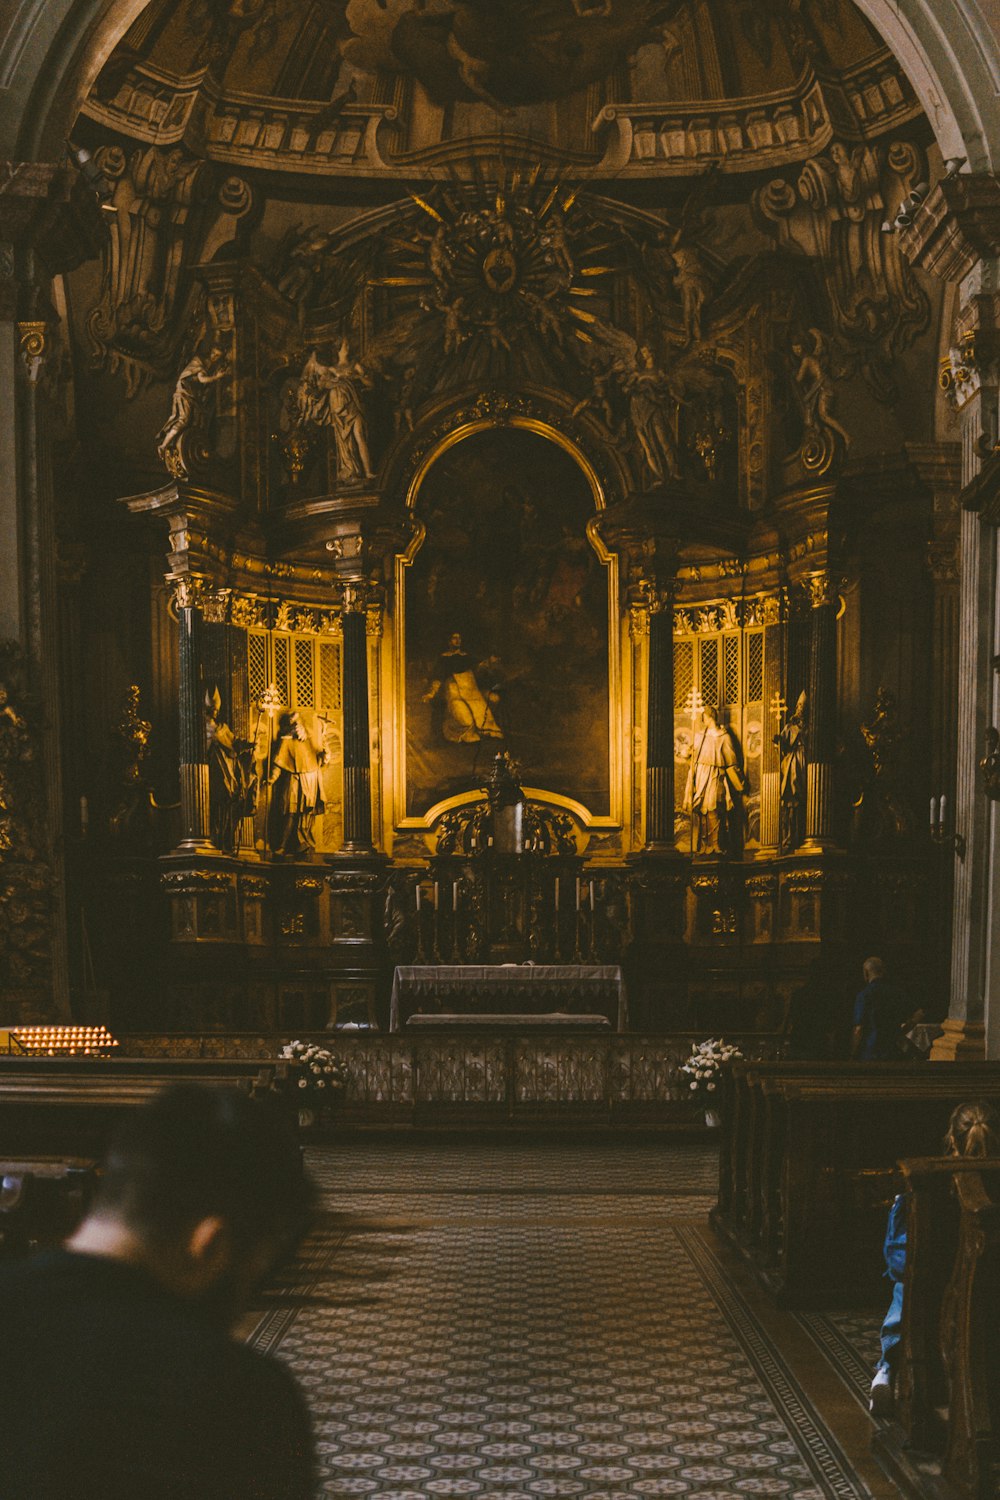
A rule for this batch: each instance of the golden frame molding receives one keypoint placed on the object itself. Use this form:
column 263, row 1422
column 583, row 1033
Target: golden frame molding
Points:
column 619, row 726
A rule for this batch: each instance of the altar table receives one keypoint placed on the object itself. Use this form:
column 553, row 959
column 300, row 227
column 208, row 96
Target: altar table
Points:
column 502, row 989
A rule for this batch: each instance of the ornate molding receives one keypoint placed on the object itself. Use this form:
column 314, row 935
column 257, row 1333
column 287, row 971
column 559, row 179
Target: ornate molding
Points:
column 197, row 882
column 755, row 134
column 957, row 225
column 170, row 213
column 731, row 614
column 226, row 606
column 33, row 347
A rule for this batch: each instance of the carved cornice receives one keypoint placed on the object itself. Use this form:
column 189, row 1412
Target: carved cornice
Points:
column 225, row 606
column 732, row 614
column 197, row 882
column 640, row 139
column 957, row 225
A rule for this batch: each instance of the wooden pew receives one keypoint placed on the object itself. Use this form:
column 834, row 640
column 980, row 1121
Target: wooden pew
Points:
column 812, row 1160
column 947, row 1407
column 62, row 1107
column 747, row 1136
column 741, row 1105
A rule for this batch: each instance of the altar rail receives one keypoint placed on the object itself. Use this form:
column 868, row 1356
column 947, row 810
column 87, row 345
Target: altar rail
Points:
column 489, row 1077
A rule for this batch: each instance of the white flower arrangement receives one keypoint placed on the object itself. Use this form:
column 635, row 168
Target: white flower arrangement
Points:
column 705, row 1064
column 319, row 1068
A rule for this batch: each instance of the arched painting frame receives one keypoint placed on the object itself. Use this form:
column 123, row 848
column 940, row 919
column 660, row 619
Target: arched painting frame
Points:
column 618, row 730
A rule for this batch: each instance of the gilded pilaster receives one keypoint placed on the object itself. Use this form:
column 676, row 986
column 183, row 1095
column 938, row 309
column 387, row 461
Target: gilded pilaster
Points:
column 821, row 742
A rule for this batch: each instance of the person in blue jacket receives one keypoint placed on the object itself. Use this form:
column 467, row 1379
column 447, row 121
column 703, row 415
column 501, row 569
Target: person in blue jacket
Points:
column 882, row 1014
column 973, row 1130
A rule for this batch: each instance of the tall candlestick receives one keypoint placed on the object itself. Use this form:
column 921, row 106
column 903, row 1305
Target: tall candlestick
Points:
column 934, row 813
column 942, row 818
column 418, row 895
column 578, row 893
column 454, row 895
column 557, row 893
column 436, row 893
column 592, row 895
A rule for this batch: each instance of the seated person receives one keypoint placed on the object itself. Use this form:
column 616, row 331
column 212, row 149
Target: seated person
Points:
column 973, row 1130
column 119, row 1378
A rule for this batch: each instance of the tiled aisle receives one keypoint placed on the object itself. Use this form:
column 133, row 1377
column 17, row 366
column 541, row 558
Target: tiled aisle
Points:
column 532, row 1320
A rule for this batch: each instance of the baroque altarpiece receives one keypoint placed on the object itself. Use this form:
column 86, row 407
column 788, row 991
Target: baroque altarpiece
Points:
column 502, row 519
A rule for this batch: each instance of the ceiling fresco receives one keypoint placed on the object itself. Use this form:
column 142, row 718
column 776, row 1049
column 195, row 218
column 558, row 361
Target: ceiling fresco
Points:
column 362, row 87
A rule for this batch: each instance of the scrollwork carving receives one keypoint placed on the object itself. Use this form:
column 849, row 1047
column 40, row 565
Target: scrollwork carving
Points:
column 170, row 214
column 834, row 213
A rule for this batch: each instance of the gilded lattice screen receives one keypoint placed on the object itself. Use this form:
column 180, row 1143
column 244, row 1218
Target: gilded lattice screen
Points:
column 306, row 672
column 724, row 668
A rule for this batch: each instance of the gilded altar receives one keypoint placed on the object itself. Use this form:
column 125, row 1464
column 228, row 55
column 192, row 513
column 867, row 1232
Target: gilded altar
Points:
column 589, row 442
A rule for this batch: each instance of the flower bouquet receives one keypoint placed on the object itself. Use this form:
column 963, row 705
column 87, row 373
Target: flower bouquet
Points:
column 703, row 1068
column 321, row 1078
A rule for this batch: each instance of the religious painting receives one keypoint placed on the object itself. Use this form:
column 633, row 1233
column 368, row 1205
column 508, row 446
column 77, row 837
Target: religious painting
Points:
column 506, row 625
column 503, row 53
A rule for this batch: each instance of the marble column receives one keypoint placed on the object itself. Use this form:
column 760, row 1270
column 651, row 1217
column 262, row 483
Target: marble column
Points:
column 964, row 1028
column 660, row 725
column 955, row 235
column 821, row 739
column 357, row 734
column 195, row 825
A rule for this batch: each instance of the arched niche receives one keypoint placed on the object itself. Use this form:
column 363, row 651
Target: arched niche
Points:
column 506, row 555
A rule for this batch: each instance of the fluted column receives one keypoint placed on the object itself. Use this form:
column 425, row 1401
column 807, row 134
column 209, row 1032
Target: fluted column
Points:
column 195, row 826
column 821, row 741
column 660, row 724
column 357, row 735
column 965, row 1025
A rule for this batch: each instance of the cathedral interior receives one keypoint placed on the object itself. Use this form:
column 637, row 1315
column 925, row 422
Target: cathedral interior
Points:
column 441, row 408
column 499, row 579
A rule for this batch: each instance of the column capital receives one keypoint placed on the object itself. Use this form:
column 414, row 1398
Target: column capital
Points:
column 957, row 225
column 820, row 590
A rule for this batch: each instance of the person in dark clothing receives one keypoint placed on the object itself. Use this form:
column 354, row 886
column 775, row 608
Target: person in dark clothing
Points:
column 119, row 1377
column 881, row 1013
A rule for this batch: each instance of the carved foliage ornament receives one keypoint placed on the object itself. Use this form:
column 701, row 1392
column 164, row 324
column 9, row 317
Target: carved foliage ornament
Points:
column 220, row 606
column 731, row 614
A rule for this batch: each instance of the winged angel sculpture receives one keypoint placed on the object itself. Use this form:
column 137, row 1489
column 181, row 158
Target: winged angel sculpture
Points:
column 653, row 393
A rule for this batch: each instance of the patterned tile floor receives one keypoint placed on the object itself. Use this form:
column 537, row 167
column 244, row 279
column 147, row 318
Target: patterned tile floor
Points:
column 524, row 1320
column 851, row 1343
